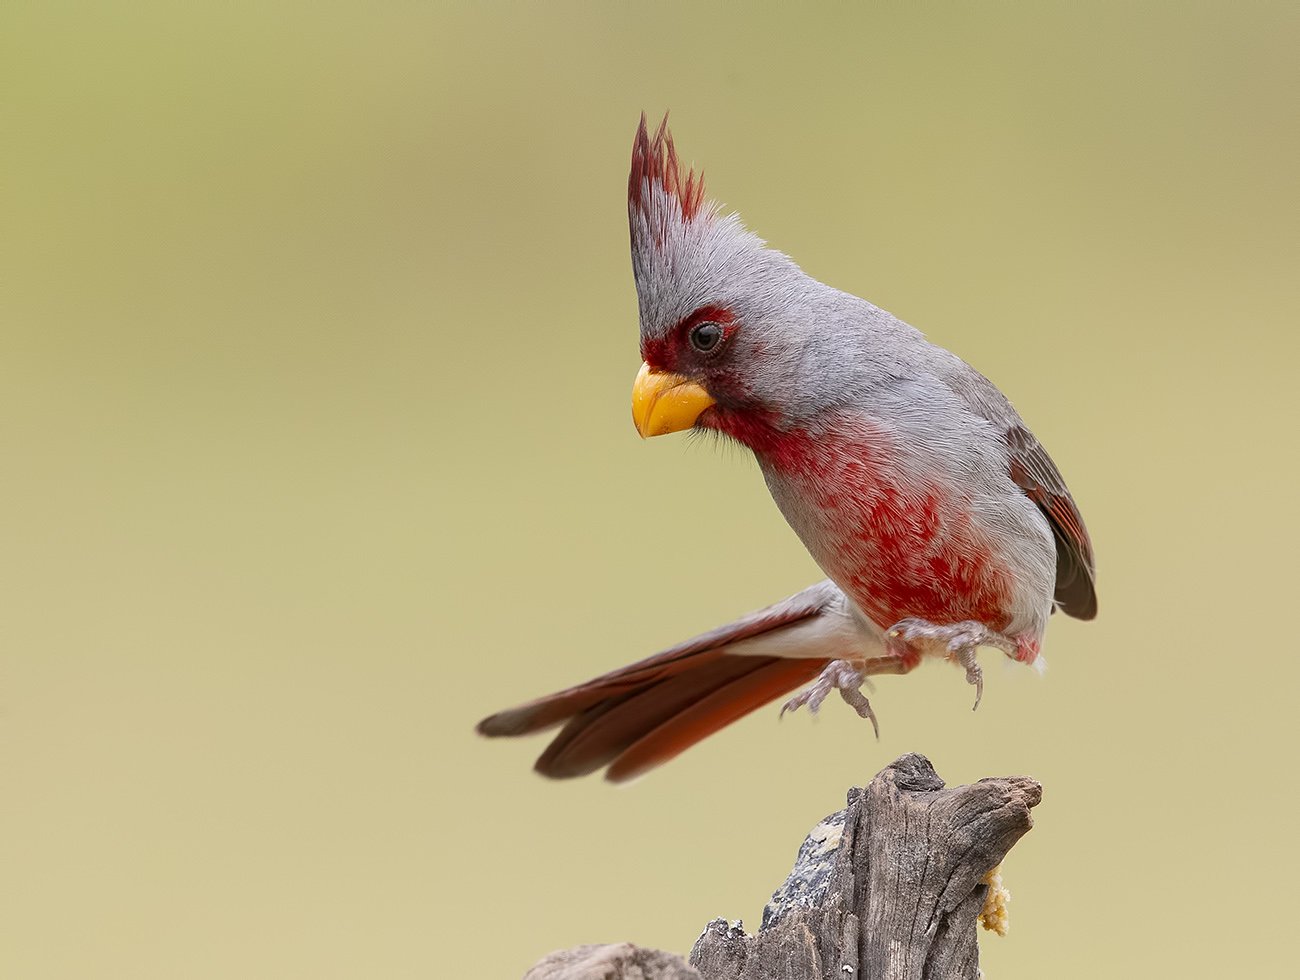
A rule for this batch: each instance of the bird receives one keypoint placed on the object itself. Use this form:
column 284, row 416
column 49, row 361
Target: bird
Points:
column 939, row 519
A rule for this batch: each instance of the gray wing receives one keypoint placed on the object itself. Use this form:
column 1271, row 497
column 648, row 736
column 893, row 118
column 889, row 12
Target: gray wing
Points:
column 1034, row 472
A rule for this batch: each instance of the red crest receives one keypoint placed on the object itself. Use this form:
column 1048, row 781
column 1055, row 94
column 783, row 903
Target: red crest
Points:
column 655, row 159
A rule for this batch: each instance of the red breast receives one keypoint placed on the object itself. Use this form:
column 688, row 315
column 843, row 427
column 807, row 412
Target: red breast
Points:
column 899, row 544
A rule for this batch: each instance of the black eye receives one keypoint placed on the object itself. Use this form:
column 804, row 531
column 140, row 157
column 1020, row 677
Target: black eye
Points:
column 706, row 337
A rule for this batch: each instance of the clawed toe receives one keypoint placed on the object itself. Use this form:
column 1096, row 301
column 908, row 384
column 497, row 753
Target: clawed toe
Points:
column 840, row 675
column 962, row 649
column 975, row 675
column 812, row 697
column 859, row 702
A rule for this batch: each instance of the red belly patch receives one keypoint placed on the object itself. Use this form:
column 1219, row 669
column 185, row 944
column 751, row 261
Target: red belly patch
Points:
column 901, row 545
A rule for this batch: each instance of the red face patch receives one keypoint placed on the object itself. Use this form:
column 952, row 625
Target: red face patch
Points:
column 671, row 351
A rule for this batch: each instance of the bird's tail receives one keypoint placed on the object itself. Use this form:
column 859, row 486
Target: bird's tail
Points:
column 639, row 716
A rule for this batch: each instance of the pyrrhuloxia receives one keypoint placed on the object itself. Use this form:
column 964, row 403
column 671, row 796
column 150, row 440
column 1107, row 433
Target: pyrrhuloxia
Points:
column 939, row 518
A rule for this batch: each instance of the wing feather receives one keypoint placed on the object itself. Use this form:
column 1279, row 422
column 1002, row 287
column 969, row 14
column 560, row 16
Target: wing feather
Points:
column 1033, row 471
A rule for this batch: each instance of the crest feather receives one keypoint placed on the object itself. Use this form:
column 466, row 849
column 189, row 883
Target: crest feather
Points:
column 654, row 160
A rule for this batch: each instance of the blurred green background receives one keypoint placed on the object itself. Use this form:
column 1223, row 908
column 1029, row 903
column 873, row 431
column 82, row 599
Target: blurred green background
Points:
column 318, row 331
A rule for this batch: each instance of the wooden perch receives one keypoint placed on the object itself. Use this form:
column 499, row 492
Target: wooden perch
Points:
column 891, row 886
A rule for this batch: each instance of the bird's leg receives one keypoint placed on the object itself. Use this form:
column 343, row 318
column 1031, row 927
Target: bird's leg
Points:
column 847, row 677
column 961, row 639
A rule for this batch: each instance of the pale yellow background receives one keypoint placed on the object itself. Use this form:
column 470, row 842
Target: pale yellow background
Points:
column 318, row 332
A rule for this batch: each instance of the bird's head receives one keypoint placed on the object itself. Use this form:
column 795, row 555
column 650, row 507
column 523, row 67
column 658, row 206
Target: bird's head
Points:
column 725, row 321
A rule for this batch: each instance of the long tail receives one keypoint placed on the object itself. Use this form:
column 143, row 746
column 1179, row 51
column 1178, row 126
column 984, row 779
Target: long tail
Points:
column 640, row 716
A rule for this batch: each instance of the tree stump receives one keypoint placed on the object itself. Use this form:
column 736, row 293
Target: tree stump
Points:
column 892, row 886
column 611, row 961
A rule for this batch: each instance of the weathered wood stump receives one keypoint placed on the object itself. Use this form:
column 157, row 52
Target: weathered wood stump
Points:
column 892, row 886
column 611, row 961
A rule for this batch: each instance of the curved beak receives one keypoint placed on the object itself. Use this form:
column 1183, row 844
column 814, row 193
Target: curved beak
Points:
column 663, row 403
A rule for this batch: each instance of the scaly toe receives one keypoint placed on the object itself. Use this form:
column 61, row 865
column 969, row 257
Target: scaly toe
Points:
column 838, row 675
column 862, row 705
column 813, row 698
column 907, row 629
column 975, row 675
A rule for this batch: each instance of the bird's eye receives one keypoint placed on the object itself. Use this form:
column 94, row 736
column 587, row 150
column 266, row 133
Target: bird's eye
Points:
column 706, row 337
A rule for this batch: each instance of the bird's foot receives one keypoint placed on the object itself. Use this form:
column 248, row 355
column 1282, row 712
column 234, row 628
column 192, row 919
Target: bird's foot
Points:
column 961, row 639
column 845, row 676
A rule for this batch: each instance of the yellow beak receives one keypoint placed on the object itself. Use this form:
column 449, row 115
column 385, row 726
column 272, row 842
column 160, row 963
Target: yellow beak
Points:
column 663, row 403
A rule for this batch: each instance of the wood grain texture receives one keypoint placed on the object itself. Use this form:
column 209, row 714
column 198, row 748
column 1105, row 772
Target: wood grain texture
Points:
column 890, row 887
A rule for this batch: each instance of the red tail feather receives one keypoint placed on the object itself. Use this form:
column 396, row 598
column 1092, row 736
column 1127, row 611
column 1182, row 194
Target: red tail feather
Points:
column 643, row 714
column 765, row 683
